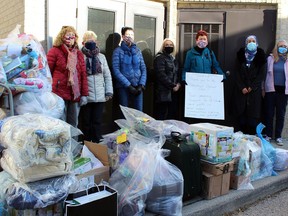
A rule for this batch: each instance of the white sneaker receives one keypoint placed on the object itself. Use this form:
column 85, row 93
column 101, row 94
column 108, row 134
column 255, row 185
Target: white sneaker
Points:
column 267, row 138
column 279, row 141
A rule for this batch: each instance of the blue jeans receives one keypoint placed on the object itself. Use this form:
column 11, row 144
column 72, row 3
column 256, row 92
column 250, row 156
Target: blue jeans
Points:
column 278, row 101
column 129, row 100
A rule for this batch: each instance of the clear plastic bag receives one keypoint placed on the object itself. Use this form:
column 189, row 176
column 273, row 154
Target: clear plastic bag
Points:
column 142, row 123
column 134, row 177
column 165, row 198
column 281, row 160
column 24, row 63
column 37, row 147
column 41, row 193
column 46, row 103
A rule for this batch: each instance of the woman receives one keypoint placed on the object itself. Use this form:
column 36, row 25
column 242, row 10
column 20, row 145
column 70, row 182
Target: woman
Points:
column 248, row 94
column 66, row 63
column 200, row 59
column 99, row 86
column 167, row 81
column 276, row 90
column 129, row 71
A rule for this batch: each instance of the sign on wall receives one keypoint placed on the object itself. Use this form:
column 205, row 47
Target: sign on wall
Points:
column 204, row 96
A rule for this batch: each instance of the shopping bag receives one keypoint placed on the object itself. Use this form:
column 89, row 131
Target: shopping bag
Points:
column 97, row 200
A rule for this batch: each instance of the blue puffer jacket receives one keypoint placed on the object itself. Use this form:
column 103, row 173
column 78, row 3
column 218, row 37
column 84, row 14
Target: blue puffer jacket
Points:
column 195, row 62
column 128, row 72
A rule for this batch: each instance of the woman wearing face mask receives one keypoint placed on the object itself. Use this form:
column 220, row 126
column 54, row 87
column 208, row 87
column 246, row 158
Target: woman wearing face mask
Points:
column 200, row 58
column 167, row 82
column 66, row 63
column 99, row 86
column 276, row 90
column 129, row 71
column 248, row 94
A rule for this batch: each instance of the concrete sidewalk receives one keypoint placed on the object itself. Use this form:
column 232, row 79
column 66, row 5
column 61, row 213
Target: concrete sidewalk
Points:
column 238, row 198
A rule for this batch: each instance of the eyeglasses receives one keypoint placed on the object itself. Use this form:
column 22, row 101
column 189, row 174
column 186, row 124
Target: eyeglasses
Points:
column 69, row 37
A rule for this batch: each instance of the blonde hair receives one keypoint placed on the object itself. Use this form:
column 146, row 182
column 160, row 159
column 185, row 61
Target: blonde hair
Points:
column 275, row 50
column 59, row 38
column 163, row 46
column 89, row 34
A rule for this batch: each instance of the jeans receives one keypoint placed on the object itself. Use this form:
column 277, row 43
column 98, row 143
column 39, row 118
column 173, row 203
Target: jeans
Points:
column 71, row 112
column 92, row 119
column 278, row 101
column 129, row 100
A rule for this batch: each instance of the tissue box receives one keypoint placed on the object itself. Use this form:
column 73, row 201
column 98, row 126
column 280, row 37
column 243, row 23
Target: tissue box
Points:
column 215, row 141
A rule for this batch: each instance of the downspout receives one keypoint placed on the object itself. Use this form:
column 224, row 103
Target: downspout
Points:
column 48, row 38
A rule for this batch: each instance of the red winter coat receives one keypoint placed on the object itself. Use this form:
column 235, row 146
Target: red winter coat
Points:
column 57, row 61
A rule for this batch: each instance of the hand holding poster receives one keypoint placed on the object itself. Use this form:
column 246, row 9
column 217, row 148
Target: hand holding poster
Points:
column 204, row 96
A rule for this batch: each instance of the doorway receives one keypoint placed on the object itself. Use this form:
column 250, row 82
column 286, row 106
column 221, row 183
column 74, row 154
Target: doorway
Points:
column 227, row 32
column 108, row 17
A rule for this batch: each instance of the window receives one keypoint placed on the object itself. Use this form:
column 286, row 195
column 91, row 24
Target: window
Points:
column 102, row 23
column 190, row 31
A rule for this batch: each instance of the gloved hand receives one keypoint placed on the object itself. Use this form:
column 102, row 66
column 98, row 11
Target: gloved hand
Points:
column 132, row 90
column 108, row 96
column 140, row 88
column 83, row 100
column 183, row 83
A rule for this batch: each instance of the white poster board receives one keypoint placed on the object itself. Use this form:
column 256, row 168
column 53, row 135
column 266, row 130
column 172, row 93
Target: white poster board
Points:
column 204, row 96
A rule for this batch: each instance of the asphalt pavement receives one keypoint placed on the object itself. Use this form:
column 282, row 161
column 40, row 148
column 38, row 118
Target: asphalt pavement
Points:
column 237, row 198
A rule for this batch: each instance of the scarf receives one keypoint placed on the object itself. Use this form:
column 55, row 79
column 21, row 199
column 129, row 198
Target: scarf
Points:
column 95, row 66
column 249, row 55
column 73, row 75
column 130, row 54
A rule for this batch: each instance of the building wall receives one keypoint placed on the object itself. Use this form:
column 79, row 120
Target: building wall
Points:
column 281, row 5
column 11, row 14
column 34, row 22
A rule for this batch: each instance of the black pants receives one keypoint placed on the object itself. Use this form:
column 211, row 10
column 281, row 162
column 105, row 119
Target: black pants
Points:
column 92, row 118
column 167, row 110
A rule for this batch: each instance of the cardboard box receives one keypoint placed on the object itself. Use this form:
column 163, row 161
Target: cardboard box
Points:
column 215, row 185
column 217, row 169
column 215, row 141
column 236, row 181
column 100, row 151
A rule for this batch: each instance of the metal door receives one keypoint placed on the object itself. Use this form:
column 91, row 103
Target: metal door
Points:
column 228, row 30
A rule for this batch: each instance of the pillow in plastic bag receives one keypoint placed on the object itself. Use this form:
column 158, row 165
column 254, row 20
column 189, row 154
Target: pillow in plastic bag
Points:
column 46, row 103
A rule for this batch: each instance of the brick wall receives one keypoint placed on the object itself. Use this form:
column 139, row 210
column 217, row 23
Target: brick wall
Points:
column 11, row 13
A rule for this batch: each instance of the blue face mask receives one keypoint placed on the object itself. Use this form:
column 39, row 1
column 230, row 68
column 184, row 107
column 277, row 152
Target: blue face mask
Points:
column 282, row 50
column 252, row 46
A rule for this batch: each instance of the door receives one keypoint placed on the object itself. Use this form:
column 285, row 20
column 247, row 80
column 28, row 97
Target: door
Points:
column 109, row 16
column 227, row 31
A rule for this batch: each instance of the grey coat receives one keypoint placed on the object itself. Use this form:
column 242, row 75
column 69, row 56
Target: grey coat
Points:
column 100, row 84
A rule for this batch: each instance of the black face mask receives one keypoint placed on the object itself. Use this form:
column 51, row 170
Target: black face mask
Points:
column 168, row 49
column 91, row 45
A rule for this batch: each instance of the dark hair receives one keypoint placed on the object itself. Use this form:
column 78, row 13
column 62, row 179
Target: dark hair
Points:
column 201, row 33
column 124, row 29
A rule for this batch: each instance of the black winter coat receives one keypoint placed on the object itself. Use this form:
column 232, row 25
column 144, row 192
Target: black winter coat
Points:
column 249, row 104
column 166, row 76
